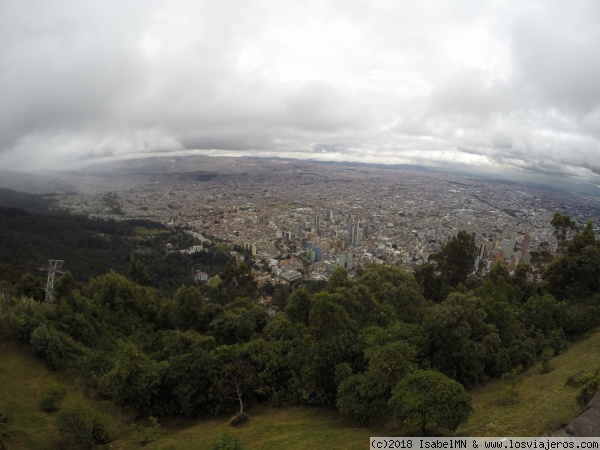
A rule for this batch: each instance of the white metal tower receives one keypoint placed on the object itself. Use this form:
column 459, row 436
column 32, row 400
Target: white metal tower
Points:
column 54, row 267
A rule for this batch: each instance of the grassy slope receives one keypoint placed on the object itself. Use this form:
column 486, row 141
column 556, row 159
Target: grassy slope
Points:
column 270, row 428
column 23, row 381
column 545, row 404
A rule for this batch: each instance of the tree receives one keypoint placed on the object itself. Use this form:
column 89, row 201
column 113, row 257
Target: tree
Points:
column 237, row 378
column 392, row 360
column 55, row 347
column 562, row 225
column 330, row 339
column 574, row 275
column 430, row 282
column 189, row 384
column 29, row 286
column 233, row 326
column 137, row 272
column 456, row 259
column 545, row 358
column 338, row 279
column 363, row 396
column 590, row 384
column 427, row 396
column 298, row 306
column 394, row 287
column 83, row 425
column 187, row 311
column 134, row 378
column 461, row 344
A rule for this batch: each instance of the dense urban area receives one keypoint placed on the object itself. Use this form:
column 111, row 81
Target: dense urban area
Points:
column 307, row 218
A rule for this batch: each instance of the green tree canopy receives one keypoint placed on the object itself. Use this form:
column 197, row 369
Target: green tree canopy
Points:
column 462, row 345
column 428, row 397
column 562, row 225
column 456, row 259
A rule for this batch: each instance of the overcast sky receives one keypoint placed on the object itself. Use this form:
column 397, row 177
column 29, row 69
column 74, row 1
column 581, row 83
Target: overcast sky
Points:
column 494, row 84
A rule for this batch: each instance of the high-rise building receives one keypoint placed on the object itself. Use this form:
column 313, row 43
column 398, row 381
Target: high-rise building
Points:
column 298, row 228
column 482, row 249
column 355, row 235
column 349, row 228
column 349, row 260
column 345, row 260
column 317, row 225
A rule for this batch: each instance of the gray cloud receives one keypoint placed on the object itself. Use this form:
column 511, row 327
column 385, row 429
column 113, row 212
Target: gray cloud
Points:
column 495, row 85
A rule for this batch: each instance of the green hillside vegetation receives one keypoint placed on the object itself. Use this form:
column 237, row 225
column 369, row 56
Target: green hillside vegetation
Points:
column 33, row 203
column 372, row 353
column 93, row 247
column 545, row 403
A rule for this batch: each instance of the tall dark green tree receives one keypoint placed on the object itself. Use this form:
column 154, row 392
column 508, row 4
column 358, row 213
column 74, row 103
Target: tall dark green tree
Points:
column 394, row 287
column 456, row 259
column 461, row 344
column 134, row 378
column 430, row 281
column 562, row 225
column 574, row 275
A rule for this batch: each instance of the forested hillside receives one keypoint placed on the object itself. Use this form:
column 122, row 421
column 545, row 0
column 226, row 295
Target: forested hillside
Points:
column 385, row 347
column 93, row 247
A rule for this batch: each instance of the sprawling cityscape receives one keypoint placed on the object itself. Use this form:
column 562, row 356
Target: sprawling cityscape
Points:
column 304, row 219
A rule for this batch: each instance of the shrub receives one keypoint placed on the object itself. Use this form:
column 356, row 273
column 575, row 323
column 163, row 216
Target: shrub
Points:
column 52, row 399
column 545, row 358
column 83, row 425
column 590, row 384
column 514, row 378
column 52, row 345
column 148, row 434
column 227, row 441
column 4, row 419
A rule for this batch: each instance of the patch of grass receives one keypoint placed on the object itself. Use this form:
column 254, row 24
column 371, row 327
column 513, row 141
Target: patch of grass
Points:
column 291, row 428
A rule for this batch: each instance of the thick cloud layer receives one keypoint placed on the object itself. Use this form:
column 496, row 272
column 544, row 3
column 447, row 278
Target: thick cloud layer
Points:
column 497, row 85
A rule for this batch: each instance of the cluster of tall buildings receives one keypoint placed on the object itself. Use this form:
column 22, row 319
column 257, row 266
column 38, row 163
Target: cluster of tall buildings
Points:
column 345, row 260
column 353, row 231
column 250, row 247
column 507, row 250
column 313, row 253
